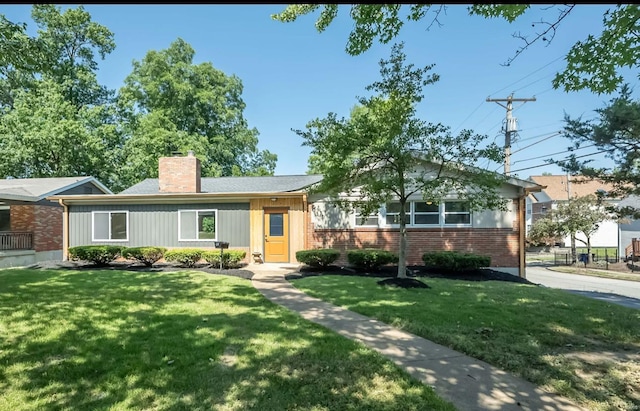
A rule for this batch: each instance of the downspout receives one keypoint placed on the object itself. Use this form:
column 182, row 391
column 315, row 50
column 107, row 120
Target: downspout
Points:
column 522, row 263
column 305, row 219
column 65, row 230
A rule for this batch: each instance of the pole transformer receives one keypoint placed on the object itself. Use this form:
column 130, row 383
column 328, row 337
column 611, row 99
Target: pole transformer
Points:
column 510, row 126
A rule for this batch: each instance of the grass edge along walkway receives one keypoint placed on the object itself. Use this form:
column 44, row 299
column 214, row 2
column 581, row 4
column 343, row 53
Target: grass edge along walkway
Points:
column 468, row 383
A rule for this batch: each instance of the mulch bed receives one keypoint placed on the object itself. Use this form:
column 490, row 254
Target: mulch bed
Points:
column 413, row 272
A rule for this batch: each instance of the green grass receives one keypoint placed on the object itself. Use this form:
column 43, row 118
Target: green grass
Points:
column 118, row 340
column 550, row 337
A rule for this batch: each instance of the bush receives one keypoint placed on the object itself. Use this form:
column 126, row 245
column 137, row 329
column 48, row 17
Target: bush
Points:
column 320, row 257
column 98, row 254
column 455, row 261
column 370, row 258
column 146, row 255
column 188, row 257
column 230, row 258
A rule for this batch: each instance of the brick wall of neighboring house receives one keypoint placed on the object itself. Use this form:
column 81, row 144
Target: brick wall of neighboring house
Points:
column 45, row 222
column 22, row 217
column 47, row 233
column 499, row 243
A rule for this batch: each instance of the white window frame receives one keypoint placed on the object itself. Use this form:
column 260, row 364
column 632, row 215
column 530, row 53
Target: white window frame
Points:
column 408, row 212
column 439, row 213
column 93, row 225
column 357, row 214
column 443, row 215
column 215, row 211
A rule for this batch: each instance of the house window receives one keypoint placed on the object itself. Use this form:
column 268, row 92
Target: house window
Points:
column 393, row 214
column 110, row 225
column 426, row 213
column 197, row 225
column 366, row 220
column 5, row 219
column 457, row 212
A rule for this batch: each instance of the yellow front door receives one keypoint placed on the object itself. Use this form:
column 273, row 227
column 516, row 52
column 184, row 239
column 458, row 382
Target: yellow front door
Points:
column 276, row 235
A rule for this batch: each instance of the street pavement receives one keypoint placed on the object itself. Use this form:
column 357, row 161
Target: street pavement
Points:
column 626, row 293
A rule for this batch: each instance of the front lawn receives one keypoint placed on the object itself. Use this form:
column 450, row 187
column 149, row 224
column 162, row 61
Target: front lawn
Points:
column 585, row 349
column 185, row 340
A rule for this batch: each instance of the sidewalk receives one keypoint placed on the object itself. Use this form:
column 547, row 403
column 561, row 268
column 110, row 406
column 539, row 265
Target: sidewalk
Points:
column 468, row 383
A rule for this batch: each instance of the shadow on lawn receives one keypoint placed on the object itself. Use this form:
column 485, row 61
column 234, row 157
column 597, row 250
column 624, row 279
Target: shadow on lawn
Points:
column 141, row 341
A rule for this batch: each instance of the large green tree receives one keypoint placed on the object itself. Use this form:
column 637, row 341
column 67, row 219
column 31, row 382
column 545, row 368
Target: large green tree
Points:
column 168, row 104
column 594, row 63
column 382, row 152
column 56, row 119
column 616, row 133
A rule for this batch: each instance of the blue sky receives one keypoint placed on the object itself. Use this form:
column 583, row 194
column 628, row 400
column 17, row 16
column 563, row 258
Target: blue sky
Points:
column 293, row 74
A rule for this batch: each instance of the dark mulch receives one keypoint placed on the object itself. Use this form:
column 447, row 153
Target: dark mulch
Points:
column 160, row 267
column 403, row 283
column 415, row 271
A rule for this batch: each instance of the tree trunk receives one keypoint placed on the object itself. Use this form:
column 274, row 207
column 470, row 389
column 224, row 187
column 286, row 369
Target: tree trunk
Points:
column 402, row 250
column 589, row 250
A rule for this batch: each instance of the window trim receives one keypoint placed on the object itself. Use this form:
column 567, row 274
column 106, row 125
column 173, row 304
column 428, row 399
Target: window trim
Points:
column 93, row 225
column 438, row 213
column 215, row 211
column 441, row 216
column 376, row 215
column 444, row 215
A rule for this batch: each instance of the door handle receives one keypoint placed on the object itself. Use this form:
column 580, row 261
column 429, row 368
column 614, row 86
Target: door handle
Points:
column 265, row 238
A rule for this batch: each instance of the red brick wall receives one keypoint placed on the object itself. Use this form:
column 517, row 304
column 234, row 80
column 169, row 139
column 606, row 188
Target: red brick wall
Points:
column 47, row 232
column 179, row 174
column 22, row 217
column 499, row 243
column 45, row 222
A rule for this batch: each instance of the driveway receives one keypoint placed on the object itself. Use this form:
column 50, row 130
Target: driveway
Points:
column 626, row 293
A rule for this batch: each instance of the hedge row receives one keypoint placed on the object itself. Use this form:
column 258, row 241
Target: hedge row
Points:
column 188, row 257
column 371, row 259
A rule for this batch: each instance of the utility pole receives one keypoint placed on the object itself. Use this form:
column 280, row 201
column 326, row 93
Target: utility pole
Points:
column 510, row 126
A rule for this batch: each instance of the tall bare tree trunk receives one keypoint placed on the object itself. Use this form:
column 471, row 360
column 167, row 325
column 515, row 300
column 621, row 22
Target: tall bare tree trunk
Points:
column 402, row 262
column 573, row 248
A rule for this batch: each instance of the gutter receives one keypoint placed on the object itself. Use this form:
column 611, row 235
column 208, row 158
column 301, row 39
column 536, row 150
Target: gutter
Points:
column 171, row 198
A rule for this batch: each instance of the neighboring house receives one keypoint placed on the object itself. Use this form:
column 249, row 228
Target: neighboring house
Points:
column 559, row 189
column 274, row 215
column 31, row 226
column 629, row 228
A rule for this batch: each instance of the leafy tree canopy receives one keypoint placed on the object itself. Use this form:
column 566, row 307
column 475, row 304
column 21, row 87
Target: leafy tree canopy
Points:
column 616, row 133
column 593, row 63
column 168, row 104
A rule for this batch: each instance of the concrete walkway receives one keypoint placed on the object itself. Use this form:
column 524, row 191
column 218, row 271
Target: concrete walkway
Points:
column 468, row 383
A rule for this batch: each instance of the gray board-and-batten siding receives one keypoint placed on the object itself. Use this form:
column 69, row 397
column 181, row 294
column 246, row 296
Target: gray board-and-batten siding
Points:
column 157, row 224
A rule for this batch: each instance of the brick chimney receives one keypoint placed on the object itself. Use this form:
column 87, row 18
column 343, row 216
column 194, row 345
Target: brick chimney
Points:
column 179, row 174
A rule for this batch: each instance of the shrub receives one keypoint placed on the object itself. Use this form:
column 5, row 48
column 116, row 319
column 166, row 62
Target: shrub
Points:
column 370, row 258
column 455, row 261
column 98, row 254
column 320, row 257
column 146, row 255
column 230, row 258
column 188, row 257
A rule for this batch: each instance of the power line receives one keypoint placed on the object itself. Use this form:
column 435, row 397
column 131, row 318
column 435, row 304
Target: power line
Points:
column 467, row 118
column 557, row 133
column 539, row 135
column 553, row 154
column 529, row 75
column 534, row 82
column 556, row 162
